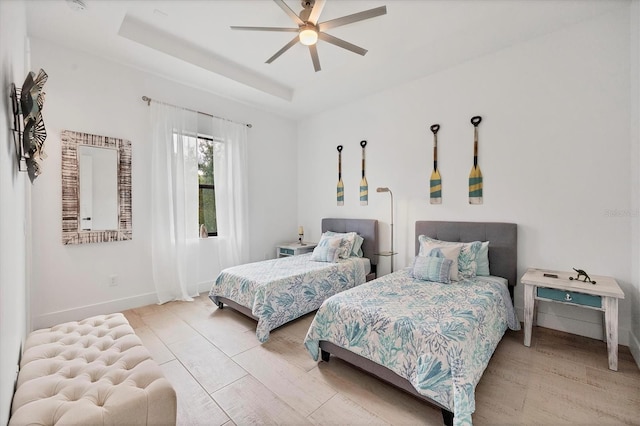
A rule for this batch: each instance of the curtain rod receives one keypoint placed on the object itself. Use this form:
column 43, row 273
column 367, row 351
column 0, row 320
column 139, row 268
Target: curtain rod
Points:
column 148, row 101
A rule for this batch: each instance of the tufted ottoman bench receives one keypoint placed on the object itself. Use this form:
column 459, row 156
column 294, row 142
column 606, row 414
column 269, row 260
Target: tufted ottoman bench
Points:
column 92, row 372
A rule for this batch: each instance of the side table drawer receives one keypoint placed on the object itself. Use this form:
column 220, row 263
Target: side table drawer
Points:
column 286, row 252
column 570, row 297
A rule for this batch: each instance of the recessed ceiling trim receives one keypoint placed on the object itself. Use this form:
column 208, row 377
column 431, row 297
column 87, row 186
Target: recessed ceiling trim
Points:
column 147, row 35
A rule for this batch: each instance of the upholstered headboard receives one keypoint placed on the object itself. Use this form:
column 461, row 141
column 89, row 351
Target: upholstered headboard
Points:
column 502, row 237
column 366, row 228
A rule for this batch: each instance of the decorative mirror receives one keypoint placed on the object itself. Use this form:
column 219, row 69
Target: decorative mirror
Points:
column 96, row 188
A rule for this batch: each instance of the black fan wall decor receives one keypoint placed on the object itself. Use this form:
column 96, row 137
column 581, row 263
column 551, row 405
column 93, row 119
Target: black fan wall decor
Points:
column 310, row 30
column 29, row 132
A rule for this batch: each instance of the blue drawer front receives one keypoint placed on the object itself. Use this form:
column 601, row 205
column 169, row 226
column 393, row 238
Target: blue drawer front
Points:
column 286, row 251
column 570, row 297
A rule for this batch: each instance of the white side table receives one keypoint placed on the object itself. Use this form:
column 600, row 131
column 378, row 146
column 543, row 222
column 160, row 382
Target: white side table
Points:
column 602, row 296
column 294, row 249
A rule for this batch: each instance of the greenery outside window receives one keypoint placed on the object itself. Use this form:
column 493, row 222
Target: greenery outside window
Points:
column 207, row 190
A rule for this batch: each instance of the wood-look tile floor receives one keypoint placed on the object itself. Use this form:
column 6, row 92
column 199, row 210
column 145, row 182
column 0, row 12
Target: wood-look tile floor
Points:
column 224, row 376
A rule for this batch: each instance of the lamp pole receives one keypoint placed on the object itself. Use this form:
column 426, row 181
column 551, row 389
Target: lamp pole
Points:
column 391, row 253
column 391, row 193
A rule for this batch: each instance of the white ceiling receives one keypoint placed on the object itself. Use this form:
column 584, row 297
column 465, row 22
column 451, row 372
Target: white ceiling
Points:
column 190, row 42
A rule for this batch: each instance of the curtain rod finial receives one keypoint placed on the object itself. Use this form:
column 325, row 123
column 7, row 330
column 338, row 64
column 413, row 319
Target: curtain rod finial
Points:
column 147, row 100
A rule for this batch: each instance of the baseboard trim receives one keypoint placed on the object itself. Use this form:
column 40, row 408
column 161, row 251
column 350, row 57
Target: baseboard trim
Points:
column 79, row 313
column 634, row 347
column 205, row 286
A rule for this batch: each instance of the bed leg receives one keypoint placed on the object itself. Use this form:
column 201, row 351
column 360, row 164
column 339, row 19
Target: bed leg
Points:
column 220, row 305
column 447, row 417
column 325, row 355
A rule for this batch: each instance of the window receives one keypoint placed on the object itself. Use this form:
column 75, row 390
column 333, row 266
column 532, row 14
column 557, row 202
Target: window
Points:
column 207, row 190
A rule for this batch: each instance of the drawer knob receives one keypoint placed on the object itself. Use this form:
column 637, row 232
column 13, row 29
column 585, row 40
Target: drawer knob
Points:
column 568, row 297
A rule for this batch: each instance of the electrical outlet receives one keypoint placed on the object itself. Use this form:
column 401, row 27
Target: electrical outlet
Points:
column 113, row 280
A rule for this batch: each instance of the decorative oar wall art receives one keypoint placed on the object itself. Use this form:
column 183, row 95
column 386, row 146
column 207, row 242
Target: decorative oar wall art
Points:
column 340, row 188
column 364, row 186
column 435, row 183
column 475, row 177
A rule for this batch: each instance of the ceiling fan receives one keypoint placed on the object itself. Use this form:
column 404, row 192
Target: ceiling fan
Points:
column 310, row 30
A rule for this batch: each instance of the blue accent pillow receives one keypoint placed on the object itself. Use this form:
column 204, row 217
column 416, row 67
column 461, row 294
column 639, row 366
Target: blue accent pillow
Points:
column 482, row 260
column 430, row 268
column 328, row 249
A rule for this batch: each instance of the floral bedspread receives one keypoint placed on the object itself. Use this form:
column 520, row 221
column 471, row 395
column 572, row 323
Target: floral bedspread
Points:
column 280, row 290
column 440, row 337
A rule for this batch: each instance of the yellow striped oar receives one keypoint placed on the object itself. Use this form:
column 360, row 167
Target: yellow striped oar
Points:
column 340, row 188
column 364, row 186
column 435, row 183
column 475, row 177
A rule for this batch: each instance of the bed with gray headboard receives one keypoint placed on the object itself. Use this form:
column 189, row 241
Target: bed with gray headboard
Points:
column 274, row 292
column 409, row 307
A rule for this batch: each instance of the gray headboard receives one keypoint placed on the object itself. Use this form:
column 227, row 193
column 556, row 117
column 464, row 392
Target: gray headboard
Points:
column 366, row 228
column 503, row 245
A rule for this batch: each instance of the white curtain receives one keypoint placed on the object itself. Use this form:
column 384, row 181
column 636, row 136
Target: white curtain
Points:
column 230, row 174
column 174, row 202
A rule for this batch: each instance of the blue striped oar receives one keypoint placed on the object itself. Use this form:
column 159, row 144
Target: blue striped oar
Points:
column 340, row 184
column 364, row 186
column 435, row 183
column 475, row 177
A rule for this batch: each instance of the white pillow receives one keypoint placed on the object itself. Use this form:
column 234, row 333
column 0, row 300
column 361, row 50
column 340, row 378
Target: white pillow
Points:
column 328, row 249
column 468, row 259
column 449, row 251
column 352, row 241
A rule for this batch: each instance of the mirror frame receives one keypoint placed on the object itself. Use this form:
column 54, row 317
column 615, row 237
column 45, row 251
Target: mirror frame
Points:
column 71, row 233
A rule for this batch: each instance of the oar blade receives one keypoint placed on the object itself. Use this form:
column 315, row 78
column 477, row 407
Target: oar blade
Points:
column 364, row 192
column 435, row 188
column 475, row 185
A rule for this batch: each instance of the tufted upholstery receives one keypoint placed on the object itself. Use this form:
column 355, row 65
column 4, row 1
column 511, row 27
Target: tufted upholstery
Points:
column 91, row 372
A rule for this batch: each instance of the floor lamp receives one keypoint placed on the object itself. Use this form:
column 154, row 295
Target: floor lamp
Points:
column 390, row 253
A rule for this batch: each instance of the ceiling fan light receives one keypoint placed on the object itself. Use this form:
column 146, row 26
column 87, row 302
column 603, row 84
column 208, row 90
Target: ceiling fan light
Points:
column 308, row 37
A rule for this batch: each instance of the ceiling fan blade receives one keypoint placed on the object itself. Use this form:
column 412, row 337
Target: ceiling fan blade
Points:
column 314, row 57
column 349, row 19
column 341, row 43
column 316, row 11
column 289, row 12
column 290, row 30
column 281, row 51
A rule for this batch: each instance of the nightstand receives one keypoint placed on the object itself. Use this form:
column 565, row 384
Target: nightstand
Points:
column 294, row 249
column 602, row 296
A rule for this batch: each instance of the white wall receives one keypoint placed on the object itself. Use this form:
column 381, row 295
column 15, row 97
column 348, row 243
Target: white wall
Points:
column 14, row 190
column 634, row 296
column 554, row 152
column 93, row 95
